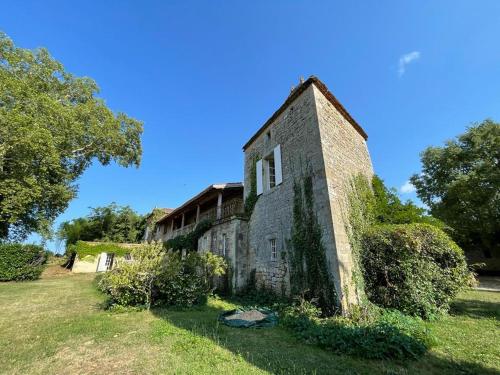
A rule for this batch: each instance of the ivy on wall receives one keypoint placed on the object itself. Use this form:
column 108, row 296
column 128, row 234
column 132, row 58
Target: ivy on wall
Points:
column 251, row 198
column 309, row 274
column 189, row 241
column 360, row 217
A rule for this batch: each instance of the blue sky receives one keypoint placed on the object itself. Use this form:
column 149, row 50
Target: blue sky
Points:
column 204, row 76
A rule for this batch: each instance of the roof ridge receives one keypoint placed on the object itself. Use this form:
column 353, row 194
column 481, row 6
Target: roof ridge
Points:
column 295, row 94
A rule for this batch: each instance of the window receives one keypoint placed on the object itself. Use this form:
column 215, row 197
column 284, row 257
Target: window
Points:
column 271, row 171
column 109, row 261
column 127, row 256
column 224, row 245
column 214, row 242
column 274, row 251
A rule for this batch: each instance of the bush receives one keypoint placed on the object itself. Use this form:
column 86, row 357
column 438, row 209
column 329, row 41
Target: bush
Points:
column 386, row 335
column 158, row 277
column 21, row 262
column 415, row 268
column 131, row 283
column 187, row 280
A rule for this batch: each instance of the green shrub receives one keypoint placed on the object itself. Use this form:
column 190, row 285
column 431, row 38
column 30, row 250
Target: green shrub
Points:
column 21, row 262
column 84, row 249
column 158, row 277
column 386, row 335
column 131, row 283
column 415, row 268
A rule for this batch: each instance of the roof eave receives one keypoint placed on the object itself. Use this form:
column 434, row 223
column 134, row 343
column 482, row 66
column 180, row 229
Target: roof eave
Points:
column 295, row 94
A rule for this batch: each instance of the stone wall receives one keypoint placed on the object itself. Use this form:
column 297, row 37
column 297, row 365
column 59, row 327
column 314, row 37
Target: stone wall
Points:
column 85, row 265
column 314, row 138
column 237, row 256
column 345, row 155
column 296, row 130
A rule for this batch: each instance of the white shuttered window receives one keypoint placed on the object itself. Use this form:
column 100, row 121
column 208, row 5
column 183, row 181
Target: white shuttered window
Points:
column 277, row 165
column 260, row 186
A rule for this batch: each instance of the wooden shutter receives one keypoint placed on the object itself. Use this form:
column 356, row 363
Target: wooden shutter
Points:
column 277, row 165
column 260, row 186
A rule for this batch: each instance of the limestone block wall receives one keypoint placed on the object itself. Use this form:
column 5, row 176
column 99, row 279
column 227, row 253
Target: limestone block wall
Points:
column 345, row 155
column 235, row 230
column 314, row 136
column 297, row 132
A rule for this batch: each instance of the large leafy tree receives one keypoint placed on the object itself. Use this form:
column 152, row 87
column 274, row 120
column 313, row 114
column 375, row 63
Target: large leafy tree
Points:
column 460, row 182
column 111, row 223
column 387, row 207
column 52, row 127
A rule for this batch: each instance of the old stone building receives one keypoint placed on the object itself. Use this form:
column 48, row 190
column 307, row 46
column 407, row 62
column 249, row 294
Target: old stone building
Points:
column 311, row 133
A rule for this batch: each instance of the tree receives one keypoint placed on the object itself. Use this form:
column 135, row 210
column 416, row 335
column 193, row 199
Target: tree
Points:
column 111, row 223
column 52, row 127
column 387, row 207
column 460, row 182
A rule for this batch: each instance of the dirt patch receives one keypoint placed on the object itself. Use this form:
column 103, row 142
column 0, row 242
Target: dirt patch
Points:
column 55, row 270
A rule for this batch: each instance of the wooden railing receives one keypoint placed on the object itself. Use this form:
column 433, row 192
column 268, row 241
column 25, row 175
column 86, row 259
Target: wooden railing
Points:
column 231, row 208
column 228, row 209
column 182, row 231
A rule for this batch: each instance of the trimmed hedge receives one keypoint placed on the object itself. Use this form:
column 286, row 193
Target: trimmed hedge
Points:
column 84, row 249
column 415, row 268
column 21, row 262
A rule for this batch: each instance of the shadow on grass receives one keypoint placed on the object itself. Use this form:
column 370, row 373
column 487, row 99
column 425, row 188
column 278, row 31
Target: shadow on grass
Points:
column 276, row 351
column 475, row 309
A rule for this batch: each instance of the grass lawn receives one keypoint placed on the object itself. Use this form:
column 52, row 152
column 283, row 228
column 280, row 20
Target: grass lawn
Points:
column 55, row 326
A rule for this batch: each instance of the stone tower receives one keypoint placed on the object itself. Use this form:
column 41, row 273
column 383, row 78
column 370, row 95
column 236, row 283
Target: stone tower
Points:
column 312, row 131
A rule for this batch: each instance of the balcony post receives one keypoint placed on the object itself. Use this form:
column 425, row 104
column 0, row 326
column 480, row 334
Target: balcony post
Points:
column 182, row 222
column 197, row 214
column 219, row 206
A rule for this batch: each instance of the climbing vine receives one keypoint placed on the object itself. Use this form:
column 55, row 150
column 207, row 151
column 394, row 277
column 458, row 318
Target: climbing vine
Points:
column 309, row 273
column 359, row 217
column 189, row 241
column 251, row 198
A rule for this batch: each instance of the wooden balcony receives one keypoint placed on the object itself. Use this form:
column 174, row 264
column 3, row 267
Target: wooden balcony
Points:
column 225, row 210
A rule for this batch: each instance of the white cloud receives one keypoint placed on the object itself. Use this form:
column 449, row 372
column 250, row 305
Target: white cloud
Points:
column 407, row 59
column 407, row 188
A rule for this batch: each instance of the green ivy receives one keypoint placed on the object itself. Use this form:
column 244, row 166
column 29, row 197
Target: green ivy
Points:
column 84, row 249
column 361, row 216
column 309, row 266
column 252, row 197
column 189, row 241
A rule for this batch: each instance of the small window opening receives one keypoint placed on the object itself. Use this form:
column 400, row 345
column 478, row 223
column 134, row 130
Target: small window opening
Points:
column 224, row 245
column 274, row 252
column 268, row 134
column 271, row 171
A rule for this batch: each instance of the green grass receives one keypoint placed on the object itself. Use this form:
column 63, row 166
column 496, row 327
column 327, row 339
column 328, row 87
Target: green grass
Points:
column 55, row 325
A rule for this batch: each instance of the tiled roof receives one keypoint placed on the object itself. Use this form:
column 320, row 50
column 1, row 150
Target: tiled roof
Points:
column 295, row 94
column 209, row 189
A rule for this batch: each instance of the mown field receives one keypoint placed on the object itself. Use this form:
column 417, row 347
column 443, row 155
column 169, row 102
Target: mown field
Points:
column 56, row 326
